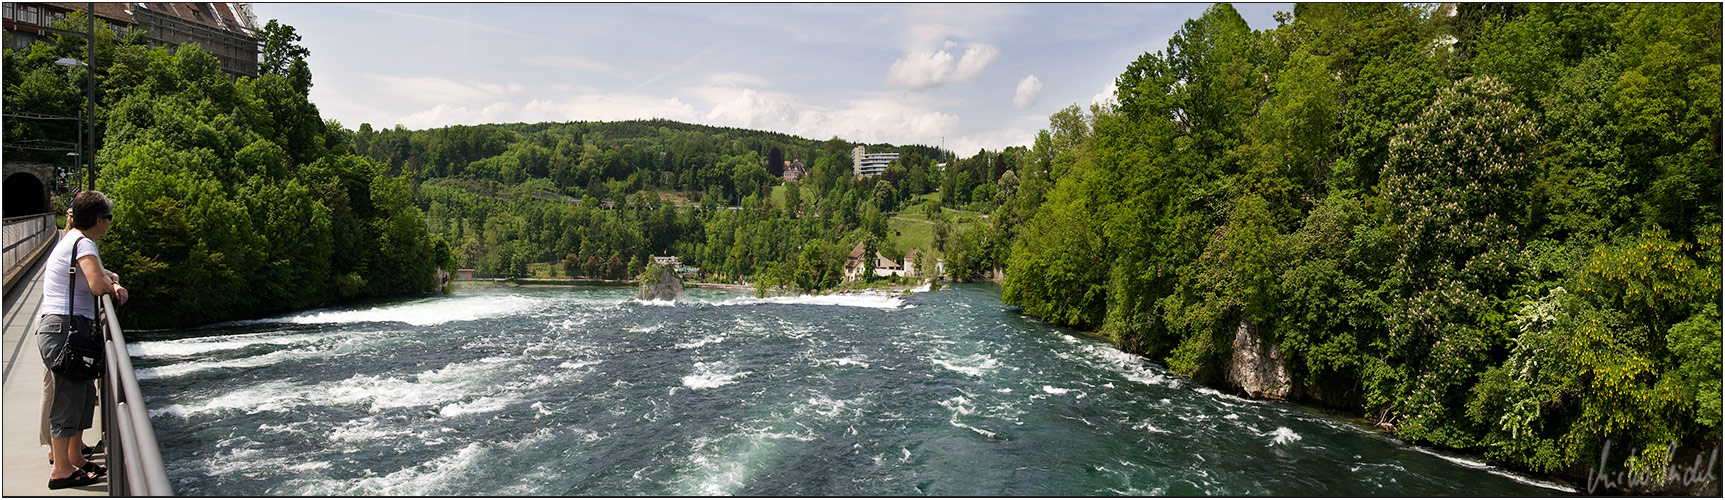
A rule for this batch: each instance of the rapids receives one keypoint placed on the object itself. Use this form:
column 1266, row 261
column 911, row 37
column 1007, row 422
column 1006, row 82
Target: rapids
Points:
column 586, row 391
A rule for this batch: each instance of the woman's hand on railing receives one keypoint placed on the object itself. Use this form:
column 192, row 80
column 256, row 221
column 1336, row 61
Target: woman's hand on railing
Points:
column 119, row 293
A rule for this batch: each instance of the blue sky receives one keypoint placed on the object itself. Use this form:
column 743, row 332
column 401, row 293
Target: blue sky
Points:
column 974, row 75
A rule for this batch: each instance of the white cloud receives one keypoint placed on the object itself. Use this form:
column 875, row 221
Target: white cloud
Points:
column 754, row 110
column 1106, row 97
column 735, row 79
column 925, row 36
column 924, row 69
column 884, row 117
column 578, row 63
column 607, row 107
column 440, row 90
column 1029, row 89
column 976, row 58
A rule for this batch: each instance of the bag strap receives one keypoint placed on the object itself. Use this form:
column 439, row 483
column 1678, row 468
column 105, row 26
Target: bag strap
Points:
column 72, row 283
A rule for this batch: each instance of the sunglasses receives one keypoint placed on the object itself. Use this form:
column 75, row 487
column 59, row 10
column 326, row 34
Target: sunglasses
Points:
column 109, row 217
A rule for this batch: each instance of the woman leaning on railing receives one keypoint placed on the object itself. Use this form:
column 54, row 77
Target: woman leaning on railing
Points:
column 73, row 408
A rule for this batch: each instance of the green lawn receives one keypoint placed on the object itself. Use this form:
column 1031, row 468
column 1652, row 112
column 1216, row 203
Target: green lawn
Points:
column 778, row 196
column 910, row 234
column 545, row 270
column 911, row 229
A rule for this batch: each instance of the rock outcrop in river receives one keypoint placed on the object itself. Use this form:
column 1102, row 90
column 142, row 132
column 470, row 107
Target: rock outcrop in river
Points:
column 1257, row 369
column 660, row 283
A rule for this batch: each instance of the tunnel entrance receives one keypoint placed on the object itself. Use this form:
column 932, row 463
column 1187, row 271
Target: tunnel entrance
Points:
column 24, row 195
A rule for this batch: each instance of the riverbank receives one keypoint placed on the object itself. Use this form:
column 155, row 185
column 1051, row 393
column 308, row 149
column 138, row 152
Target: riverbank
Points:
column 849, row 288
column 1692, row 471
column 566, row 282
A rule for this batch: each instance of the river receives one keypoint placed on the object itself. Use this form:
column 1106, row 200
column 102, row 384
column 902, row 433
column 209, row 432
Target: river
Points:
column 584, row 391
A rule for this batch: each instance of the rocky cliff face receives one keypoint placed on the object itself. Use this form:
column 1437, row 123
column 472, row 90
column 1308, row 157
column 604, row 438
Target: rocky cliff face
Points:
column 1258, row 369
column 664, row 285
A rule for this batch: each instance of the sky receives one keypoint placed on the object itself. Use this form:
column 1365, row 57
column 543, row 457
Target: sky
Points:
column 965, row 76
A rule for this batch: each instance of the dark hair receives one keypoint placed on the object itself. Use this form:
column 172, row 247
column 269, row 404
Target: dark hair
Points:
column 89, row 206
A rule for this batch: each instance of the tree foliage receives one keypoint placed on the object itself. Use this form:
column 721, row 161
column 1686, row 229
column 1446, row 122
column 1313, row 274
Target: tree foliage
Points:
column 233, row 198
column 1495, row 231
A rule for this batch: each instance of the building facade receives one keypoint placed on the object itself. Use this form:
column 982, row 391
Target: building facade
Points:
column 226, row 30
column 794, row 171
column 864, row 164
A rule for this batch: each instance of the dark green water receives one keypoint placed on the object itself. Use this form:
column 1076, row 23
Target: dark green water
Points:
column 585, row 392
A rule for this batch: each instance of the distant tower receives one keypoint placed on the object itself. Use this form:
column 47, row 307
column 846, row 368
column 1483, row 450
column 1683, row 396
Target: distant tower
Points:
column 856, row 160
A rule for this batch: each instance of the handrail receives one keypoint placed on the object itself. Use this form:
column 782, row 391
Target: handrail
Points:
column 25, row 235
column 125, row 420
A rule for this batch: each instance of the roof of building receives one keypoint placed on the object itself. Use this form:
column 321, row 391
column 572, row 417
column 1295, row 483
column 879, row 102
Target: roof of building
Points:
column 881, row 262
column 231, row 17
column 222, row 16
column 857, row 253
column 112, row 11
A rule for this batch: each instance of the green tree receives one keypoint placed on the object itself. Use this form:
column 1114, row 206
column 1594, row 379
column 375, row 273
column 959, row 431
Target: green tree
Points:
column 280, row 48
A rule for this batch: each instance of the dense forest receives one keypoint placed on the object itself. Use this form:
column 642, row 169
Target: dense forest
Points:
column 233, row 198
column 1492, row 229
column 596, row 200
column 1487, row 227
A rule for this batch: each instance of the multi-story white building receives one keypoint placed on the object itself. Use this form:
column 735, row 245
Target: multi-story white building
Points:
column 864, row 164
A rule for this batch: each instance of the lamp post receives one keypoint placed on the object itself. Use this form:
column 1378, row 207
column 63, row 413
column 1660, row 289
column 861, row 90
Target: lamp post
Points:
column 60, row 176
column 90, row 93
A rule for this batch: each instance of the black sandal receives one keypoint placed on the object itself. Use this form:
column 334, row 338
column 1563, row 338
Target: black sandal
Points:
column 79, row 478
column 94, row 468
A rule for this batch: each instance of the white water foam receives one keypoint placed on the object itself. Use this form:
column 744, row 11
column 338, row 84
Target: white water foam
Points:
column 712, row 375
column 1494, row 470
column 191, row 346
column 974, row 365
column 449, row 389
column 365, row 430
column 701, row 342
column 856, row 360
column 421, row 312
column 180, row 369
column 865, row 300
column 720, row 470
column 267, row 396
column 574, row 365
column 1283, row 435
column 654, row 303
column 482, row 405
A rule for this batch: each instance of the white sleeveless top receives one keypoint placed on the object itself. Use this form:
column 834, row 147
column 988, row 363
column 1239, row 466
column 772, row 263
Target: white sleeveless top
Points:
column 55, row 278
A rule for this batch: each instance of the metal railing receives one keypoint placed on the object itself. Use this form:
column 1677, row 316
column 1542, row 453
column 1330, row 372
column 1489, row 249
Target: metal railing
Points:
column 134, row 460
column 26, row 234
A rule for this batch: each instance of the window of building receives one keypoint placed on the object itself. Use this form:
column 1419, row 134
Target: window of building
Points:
column 8, row 11
column 27, row 14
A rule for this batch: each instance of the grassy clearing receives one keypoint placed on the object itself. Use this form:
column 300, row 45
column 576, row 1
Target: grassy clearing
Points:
column 545, row 270
column 910, row 234
column 911, row 229
column 778, row 196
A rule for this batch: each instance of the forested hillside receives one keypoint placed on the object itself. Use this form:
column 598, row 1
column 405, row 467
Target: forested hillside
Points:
column 596, row 200
column 232, row 198
column 1494, row 231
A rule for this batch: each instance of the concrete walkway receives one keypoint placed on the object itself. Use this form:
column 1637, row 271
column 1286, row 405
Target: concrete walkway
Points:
column 24, row 462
